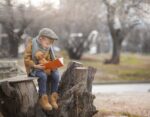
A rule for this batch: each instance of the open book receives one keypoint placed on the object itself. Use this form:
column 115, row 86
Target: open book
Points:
column 54, row 64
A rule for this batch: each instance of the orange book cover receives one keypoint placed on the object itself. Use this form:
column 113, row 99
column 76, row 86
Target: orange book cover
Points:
column 54, row 64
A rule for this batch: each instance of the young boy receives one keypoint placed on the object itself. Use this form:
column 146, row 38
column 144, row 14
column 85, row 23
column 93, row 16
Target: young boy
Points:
column 43, row 42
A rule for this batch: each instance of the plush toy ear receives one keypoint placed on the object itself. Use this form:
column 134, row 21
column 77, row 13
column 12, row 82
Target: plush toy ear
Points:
column 37, row 55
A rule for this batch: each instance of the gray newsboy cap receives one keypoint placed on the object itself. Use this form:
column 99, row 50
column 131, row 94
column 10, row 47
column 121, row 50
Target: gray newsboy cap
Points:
column 48, row 33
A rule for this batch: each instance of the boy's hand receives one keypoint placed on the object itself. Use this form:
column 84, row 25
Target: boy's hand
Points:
column 39, row 66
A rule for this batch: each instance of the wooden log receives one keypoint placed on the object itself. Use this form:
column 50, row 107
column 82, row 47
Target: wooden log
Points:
column 17, row 79
column 19, row 97
column 75, row 91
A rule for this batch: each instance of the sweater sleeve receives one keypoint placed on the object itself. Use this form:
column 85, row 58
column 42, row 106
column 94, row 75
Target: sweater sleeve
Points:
column 28, row 55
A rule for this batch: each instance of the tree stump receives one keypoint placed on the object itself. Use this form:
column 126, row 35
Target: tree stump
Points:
column 19, row 97
column 76, row 99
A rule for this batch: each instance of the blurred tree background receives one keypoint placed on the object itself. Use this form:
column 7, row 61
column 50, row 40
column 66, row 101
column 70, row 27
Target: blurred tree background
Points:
column 93, row 26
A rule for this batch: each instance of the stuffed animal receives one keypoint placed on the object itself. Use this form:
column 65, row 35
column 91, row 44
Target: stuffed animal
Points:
column 41, row 60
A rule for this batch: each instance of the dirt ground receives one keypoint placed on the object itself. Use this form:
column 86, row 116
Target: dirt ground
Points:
column 123, row 104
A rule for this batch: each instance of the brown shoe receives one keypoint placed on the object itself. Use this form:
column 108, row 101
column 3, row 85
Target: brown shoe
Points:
column 53, row 100
column 43, row 101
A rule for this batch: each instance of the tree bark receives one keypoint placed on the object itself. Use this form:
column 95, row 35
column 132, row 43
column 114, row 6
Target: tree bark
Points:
column 9, row 25
column 117, row 39
column 76, row 49
column 18, row 97
column 117, row 34
column 13, row 44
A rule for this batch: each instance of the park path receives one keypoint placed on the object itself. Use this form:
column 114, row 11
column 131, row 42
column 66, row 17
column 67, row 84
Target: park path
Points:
column 134, row 103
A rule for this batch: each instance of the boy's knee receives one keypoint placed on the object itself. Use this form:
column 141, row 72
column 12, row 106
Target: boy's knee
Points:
column 43, row 76
column 55, row 75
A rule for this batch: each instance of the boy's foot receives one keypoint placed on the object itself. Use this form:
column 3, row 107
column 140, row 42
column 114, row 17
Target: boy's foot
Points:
column 43, row 101
column 53, row 100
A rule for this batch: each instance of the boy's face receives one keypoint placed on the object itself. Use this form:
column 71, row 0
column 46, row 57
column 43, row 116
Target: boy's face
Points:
column 46, row 42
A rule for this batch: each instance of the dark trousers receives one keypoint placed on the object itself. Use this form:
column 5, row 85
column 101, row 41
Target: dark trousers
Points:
column 44, row 81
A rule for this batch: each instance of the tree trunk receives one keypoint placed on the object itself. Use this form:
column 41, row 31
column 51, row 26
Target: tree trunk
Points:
column 19, row 97
column 76, row 99
column 13, row 50
column 13, row 46
column 14, row 40
column 117, row 34
column 75, row 54
column 76, row 48
column 117, row 39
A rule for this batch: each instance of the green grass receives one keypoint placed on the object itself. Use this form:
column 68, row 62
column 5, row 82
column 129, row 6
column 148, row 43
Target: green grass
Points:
column 131, row 68
column 135, row 74
column 130, row 59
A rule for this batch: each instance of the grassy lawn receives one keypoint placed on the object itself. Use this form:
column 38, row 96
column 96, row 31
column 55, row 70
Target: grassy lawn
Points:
column 132, row 68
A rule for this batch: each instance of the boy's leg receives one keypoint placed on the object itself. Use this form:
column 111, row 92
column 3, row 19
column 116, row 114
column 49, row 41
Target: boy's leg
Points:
column 41, row 81
column 54, row 78
column 43, row 101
